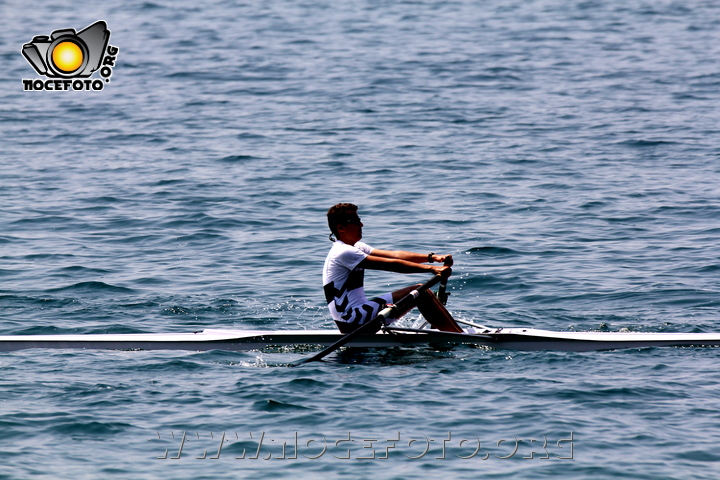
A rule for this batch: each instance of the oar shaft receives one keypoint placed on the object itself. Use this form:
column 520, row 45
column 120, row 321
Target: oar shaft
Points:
column 403, row 304
column 442, row 290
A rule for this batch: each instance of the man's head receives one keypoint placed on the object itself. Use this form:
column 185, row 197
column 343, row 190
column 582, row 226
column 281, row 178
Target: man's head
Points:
column 344, row 221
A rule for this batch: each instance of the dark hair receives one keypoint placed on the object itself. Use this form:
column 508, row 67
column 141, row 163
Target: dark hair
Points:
column 340, row 214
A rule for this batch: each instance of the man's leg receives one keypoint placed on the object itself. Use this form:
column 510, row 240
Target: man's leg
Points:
column 431, row 308
column 436, row 314
column 399, row 294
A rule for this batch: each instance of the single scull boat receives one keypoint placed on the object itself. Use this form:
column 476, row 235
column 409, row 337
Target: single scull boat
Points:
column 389, row 336
column 243, row 340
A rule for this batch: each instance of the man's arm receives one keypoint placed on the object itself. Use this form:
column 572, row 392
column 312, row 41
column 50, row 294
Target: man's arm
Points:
column 412, row 257
column 399, row 265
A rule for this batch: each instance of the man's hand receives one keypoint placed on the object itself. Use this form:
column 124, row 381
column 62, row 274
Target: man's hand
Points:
column 444, row 259
column 444, row 271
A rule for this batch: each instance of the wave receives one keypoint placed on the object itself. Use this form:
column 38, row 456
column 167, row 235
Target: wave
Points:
column 91, row 287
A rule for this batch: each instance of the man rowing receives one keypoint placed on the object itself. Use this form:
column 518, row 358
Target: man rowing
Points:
column 344, row 270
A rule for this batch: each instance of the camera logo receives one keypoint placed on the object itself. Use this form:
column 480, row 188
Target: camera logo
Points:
column 68, row 56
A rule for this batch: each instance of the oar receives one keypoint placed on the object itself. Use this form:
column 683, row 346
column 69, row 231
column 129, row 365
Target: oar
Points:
column 402, row 305
column 442, row 290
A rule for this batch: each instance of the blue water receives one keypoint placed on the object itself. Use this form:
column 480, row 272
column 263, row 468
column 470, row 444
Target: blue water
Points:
column 565, row 152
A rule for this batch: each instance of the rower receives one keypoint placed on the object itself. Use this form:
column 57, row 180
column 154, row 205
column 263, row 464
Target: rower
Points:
column 343, row 275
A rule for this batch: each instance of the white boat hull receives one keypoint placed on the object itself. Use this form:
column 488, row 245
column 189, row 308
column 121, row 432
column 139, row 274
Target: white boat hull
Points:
column 243, row 340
